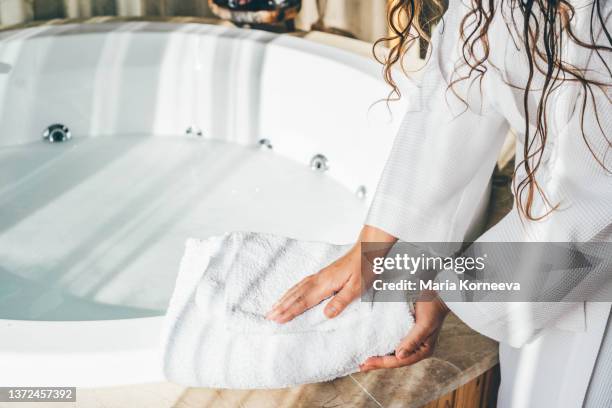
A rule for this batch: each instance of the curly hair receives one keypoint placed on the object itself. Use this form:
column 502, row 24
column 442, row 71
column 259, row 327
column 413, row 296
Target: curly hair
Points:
column 544, row 28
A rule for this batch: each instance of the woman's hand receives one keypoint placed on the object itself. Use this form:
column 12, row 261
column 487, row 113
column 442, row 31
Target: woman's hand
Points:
column 342, row 276
column 421, row 341
column 341, row 279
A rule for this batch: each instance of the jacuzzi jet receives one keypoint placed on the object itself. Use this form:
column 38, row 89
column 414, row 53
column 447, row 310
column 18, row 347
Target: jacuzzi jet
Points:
column 57, row 133
column 361, row 192
column 265, row 144
column 319, row 163
column 194, row 131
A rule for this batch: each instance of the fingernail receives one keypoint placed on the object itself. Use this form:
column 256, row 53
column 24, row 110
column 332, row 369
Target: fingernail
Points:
column 331, row 311
column 403, row 353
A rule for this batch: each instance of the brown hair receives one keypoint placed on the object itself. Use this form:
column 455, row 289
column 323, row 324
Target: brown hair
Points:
column 543, row 29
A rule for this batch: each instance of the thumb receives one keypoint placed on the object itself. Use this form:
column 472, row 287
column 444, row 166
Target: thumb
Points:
column 412, row 342
column 340, row 301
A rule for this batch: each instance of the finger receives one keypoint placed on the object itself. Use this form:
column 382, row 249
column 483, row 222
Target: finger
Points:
column 421, row 354
column 425, row 349
column 290, row 296
column 301, row 299
column 322, row 278
column 287, row 303
column 376, row 363
column 292, row 291
column 421, row 351
column 297, row 308
column 413, row 341
column 295, row 304
column 342, row 299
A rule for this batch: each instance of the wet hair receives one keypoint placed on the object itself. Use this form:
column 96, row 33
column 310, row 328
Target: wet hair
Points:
column 541, row 32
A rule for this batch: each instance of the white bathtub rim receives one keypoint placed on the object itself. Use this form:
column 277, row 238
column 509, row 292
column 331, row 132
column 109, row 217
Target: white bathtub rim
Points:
column 350, row 59
column 80, row 353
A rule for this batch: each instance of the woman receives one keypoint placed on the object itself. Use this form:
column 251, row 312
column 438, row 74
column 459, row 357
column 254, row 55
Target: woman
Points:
column 541, row 68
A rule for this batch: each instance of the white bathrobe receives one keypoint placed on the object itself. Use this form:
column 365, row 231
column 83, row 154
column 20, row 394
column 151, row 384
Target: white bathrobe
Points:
column 439, row 169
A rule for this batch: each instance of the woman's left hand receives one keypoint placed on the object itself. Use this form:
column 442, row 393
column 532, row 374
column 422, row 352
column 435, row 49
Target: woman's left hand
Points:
column 420, row 342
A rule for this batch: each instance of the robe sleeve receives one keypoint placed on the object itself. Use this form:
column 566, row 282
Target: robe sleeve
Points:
column 443, row 154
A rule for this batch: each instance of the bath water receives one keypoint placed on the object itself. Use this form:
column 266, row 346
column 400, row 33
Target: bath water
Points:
column 95, row 228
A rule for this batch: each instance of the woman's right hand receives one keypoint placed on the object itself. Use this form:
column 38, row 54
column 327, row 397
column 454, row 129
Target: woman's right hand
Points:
column 341, row 279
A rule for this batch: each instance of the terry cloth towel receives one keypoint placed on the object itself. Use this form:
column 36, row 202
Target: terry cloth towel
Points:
column 215, row 333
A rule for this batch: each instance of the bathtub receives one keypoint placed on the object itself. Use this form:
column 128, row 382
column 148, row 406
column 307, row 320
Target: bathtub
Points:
column 121, row 140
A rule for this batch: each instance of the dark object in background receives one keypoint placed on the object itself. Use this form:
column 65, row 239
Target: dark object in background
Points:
column 257, row 5
column 48, row 9
column 257, row 12
column 430, row 16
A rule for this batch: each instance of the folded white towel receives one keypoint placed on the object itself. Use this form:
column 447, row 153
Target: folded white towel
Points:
column 215, row 333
